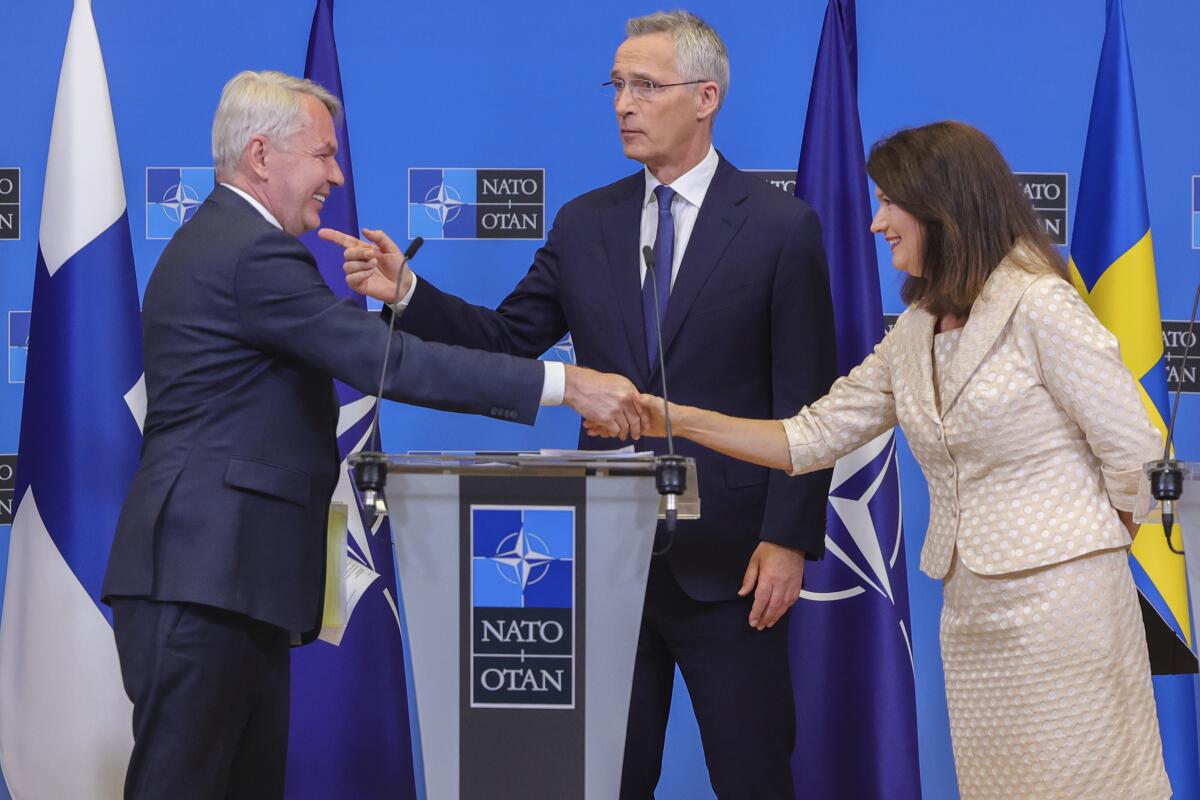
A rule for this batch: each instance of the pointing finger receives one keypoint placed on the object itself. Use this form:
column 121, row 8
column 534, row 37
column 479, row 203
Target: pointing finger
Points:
column 380, row 238
column 338, row 238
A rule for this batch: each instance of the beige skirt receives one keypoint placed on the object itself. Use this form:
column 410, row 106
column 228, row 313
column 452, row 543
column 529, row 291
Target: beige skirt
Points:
column 1048, row 684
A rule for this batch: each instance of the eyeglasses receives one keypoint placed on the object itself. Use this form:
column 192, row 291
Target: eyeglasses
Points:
column 640, row 88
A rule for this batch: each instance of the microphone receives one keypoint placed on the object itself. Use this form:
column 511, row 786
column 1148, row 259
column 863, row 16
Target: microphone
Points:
column 1166, row 476
column 670, row 471
column 370, row 472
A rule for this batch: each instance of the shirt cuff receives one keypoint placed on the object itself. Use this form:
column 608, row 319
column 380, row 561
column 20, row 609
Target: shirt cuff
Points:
column 555, row 385
column 398, row 307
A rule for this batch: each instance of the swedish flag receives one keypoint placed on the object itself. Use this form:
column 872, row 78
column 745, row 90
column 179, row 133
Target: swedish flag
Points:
column 1112, row 265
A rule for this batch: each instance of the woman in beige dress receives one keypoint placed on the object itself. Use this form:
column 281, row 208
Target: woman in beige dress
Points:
column 1031, row 434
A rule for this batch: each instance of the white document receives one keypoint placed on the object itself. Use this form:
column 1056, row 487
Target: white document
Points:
column 599, row 455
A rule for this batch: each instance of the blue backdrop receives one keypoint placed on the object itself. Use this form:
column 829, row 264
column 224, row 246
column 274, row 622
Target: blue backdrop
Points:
column 515, row 85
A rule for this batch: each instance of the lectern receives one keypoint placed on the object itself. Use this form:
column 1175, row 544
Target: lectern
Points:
column 522, row 578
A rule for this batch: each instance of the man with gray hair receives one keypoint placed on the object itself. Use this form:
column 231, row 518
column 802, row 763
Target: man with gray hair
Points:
column 747, row 328
column 218, row 560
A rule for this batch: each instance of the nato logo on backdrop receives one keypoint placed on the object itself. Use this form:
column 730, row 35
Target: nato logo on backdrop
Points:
column 522, row 584
column 1196, row 212
column 1182, row 374
column 10, row 203
column 476, row 203
column 8, row 482
column 18, row 345
column 563, row 350
column 1047, row 192
column 782, row 179
column 172, row 196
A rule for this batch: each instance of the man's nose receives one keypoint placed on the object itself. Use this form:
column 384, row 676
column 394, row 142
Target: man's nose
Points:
column 623, row 102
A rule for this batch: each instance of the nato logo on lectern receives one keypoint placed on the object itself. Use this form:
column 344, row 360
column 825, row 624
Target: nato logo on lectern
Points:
column 522, row 586
column 172, row 196
column 476, row 203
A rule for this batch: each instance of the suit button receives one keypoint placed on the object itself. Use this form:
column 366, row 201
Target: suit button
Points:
column 938, row 434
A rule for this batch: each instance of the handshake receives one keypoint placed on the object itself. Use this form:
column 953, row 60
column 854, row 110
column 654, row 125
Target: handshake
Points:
column 611, row 405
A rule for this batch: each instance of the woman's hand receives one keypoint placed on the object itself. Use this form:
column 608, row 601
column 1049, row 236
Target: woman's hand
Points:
column 1130, row 525
column 650, row 411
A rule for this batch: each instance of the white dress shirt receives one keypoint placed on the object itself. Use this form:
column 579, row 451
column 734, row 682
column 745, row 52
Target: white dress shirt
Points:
column 259, row 207
column 690, row 189
column 554, row 385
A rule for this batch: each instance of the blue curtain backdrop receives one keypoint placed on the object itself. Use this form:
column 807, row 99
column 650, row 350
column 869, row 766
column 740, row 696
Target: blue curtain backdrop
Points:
column 486, row 85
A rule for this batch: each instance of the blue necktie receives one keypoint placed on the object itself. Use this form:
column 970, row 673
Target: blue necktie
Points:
column 664, row 253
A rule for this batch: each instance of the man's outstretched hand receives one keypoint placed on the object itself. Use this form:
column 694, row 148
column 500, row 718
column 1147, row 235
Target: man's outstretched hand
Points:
column 372, row 267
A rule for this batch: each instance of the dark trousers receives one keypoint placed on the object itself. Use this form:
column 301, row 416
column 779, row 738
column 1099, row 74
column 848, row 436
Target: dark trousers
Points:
column 740, row 686
column 210, row 701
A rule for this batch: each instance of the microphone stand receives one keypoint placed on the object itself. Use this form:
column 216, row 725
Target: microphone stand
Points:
column 1166, row 475
column 670, row 471
column 370, row 471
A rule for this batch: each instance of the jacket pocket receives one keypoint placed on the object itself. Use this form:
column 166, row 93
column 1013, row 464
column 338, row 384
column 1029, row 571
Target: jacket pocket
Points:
column 264, row 478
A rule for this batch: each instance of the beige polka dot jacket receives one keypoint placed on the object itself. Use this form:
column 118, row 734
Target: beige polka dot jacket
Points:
column 1040, row 431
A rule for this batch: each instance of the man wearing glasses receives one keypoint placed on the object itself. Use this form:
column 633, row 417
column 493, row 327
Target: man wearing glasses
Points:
column 747, row 329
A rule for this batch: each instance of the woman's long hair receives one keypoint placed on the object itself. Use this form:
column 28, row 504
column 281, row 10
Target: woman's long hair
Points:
column 952, row 178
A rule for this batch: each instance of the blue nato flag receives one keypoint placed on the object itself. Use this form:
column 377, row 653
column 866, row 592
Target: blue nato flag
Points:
column 857, row 735
column 349, row 730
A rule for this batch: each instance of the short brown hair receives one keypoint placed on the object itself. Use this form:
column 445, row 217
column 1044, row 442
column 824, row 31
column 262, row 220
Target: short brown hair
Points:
column 954, row 180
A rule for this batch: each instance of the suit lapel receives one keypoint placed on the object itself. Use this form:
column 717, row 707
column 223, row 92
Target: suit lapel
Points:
column 621, row 225
column 720, row 218
column 989, row 316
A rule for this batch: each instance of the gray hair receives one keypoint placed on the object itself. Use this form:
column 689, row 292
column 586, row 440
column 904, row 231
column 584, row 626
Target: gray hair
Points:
column 266, row 103
column 700, row 54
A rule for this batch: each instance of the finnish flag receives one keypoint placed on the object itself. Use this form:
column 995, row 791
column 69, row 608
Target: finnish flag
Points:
column 65, row 730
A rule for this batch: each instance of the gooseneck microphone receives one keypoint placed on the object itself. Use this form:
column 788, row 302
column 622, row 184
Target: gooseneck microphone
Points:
column 670, row 471
column 370, row 471
column 1166, row 476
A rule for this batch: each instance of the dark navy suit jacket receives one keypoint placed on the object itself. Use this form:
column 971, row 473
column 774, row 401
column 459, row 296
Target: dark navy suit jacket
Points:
column 748, row 331
column 239, row 459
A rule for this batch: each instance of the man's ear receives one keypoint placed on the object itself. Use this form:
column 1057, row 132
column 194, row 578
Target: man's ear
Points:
column 709, row 97
column 255, row 156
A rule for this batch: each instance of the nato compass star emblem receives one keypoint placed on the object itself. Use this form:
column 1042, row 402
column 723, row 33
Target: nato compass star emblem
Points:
column 173, row 195
column 179, row 202
column 522, row 558
column 443, row 203
column 563, row 351
column 865, row 533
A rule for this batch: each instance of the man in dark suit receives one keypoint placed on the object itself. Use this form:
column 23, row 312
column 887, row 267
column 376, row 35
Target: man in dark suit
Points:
column 218, row 562
column 747, row 329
